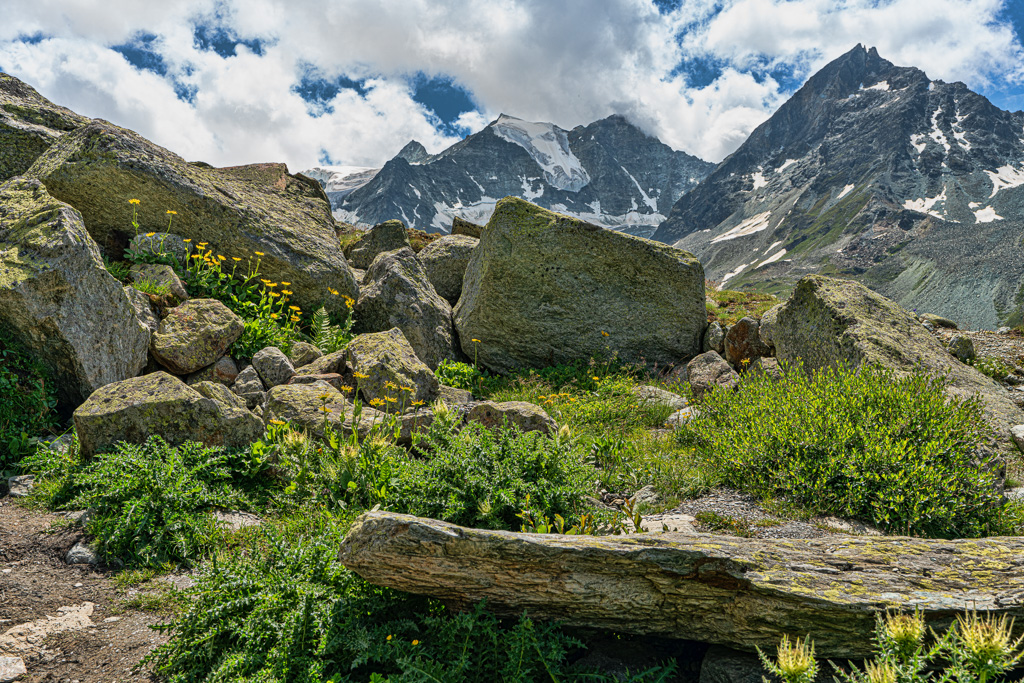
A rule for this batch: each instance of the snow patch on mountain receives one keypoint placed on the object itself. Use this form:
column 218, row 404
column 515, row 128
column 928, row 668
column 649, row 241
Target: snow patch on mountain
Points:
column 846, row 190
column 937, row 134
column 1004, row 178
column 882, row 86
column 916, row 142
column 773, row 258
column 759, row 180
column 548, row 145
column 786, row 164
column 987, row 215
column 733, row 273
column 925, row 204
column 748, row 227
column 651, row 203
column 341, row 180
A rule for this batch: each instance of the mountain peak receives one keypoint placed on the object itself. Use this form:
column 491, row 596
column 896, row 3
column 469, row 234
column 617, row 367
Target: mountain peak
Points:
column 414, row 152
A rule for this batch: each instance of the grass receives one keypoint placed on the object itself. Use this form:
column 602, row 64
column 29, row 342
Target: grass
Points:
column 731, row 305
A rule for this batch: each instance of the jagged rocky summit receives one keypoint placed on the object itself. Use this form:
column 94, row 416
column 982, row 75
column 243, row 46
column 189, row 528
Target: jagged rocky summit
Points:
column 874, row 172
column 609, row 173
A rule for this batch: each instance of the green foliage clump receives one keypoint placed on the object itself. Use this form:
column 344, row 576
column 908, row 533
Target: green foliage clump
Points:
column 479, row 478
column 992, row 366
column 28, row 408
column 149, row 504
column 328, row 335
column 282, row 609
column 119, row 270
column 150, row 287
column 459, row 375
column 891, row 450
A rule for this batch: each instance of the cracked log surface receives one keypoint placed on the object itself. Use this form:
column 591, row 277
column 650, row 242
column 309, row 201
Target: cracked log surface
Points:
column 739, row 592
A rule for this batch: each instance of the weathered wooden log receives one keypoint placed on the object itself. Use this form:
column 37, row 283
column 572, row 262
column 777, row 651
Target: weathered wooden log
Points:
column 739, row 592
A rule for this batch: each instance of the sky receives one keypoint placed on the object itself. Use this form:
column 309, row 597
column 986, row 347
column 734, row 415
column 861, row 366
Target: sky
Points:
column 350, row 82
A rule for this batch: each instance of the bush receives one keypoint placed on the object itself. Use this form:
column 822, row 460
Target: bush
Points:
column 149, row 504
column 478, row 478
column 889, row 450
column 459, row 375
column 286, row 610
column 28, row 408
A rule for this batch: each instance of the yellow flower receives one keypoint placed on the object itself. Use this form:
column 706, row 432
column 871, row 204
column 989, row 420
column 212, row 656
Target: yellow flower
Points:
column 278, row 422
column 286, row 292
column 324, row 397
column 477, row 341
column 133, row 201
column 203, row 244
column 417, row 403
column 285, row 283
column 274, row 316
column 346, row 388
column 390, row 385
column 259, row 253
column 349, row 301
column 391, row 399
column 197, row 256
column 295, row 308
column 188, row 240
column 603, row 333
column 173, row 213
column 271, row 284
column 409, row 389
column 415, row 642
column 150, row 234
column 235, row 258
column 389, row 637
column 376, row 402
column 324, row 409
column 266, row 282
column 360, row 375
column 275, row 294
column 222, row 258
column 597, row 379
column 294, row 318
column 332, row 291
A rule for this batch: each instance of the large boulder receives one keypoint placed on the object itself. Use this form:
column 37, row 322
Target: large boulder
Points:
column 743, row 343
column 29, row 124
column 158, row 403
column 56, row 298
column 273, row 366
column 444, row 261
column 397, row 293
column 542, row 289
column 725, row 590
column 382, row 359
column 194, row 335
column 460, row 226
column 386, row 236
column 526, row 417
column 829, row 321
column 238, row 211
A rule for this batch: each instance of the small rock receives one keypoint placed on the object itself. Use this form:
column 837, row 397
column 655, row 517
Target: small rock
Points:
column 646, row 495
column 962, row 347
column 928, row 326
column 671, row 522
column 681, row 417
column 769, row 366
column 938, row 321
column 1017, row 434
column 111, row 620
column 20, row 486
column 709, row 370
column 224, row 371
column 194, row 335
column 1004, row 330
column 273, row 366
column 303, row 353
column 382, row 237
column 526, row 416
column 714, row 338
column 332, row 378
column 651, row 395
column 80, row 553
column 235, row 520
column 453, row 396
column 159, row 274
column 1015, row 494
column 743, row 343
column 11, row 668
column 463, row 227
column 249, row 386
column 767, row 327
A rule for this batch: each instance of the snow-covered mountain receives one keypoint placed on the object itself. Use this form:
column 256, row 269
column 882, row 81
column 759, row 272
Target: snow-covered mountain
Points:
column 875, row 172
column 609, row 173
column 339, row 181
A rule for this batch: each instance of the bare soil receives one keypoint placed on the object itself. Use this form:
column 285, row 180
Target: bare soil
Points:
column 35, row 583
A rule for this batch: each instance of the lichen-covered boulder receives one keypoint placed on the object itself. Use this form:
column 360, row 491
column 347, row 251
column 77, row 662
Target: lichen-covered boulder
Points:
column 382, row 358
column 273, row 366
column 461, row 226
column 938, row 321
column 397, row 293
column 454, row 396
column 743, row 343
column 709, row 370
column 766, row 329
column 223, row 371
column 526, row 417
column 303, row 353
column 56, row 298
column 543, row 289
column 249, row 386
column 336, row 362
column 29, row 124
column 221, row 394
column 195, row 334
column 160, row 275
column 714, row 338
column 237, row 211
column 829, row 321
column 386, row 236
column 656, row 396
column 143, row 307
column 962, row 347
column 135, row 409
column 444, row 261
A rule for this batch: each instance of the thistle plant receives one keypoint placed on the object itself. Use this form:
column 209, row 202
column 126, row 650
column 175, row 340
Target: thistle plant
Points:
column 794, row 661
column 982, row 648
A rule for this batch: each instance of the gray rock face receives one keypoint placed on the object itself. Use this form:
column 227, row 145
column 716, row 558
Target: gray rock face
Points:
column 238, row 211
column 454, row 396
column 743, row 343
column 223, row 371
column 738, row 592
column 29, row 124
column 724, row 665
column 709, row 370
column 160, row 243
column 303, row 353
column 11, row 669
column 20, row 486
column 273, row 366
column 134, row 409
column 143, row 309
column 444, row 261
column 249, row 386
column 386, row 236
column 766, row 330
column 850, row 176
column 526, row 417
column 829, row 321
column 609, row 167
column 221, row 394
column 397, row 293
column 80, row 553
column 962, row 348
column 194, row 335
column 159, row 274
column 58, row 300
column 384, row 358
column 543, row 289
column 336, row 362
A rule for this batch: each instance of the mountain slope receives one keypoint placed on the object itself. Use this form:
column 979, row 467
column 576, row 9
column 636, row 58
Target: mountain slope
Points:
column 872, row 171
column 608, row 172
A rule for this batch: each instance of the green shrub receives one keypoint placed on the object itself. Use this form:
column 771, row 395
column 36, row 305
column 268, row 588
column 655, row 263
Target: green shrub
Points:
column 991, row 366
column 889, row 450
column 459, row 375
column 150, row 287
column 120, row 270
column 285, row 609
column 28, row 408
column 478, row 478
column 150, row 504
column 331, row 335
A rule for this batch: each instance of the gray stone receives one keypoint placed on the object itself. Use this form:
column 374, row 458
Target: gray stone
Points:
column 143, row 310
column 273, row 366
column 331, row 363
column 56, row 298
column 1004, row 330
column 303, row 353
column 743, row 343
column 234, row 520
column 766, row 330
column 386, row 236
column 383, row 363
column 1017, row 434
column 224, row 371
column 194, row 335
column 160, row 275
column 444, row 261
column 249, row 386
column 453, row 396
column 543, row 289
column 681, row 417
column 221, row 394
column 526, row 417
column 714, row 338
column 962, row 347
column 725, row 665
column 134, row 409
column 651, row 395
column 160, row 244
column 647, row 495
column 20, row 486
column 397, row 293
column 938, row 321
column 334, row 379
column 709, row 370
column 768, row 366
column 11, row 669
column 81, row 553
column 461, row 226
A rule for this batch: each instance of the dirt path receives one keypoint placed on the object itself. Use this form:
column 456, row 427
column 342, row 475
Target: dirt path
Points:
column 35, row 583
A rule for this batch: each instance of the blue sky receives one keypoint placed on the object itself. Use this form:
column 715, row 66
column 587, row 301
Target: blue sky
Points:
column 350, row 82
